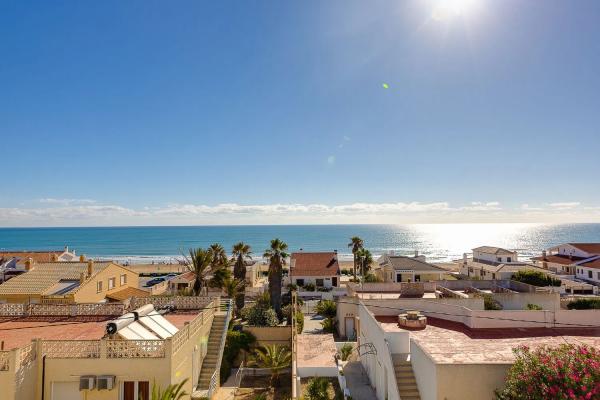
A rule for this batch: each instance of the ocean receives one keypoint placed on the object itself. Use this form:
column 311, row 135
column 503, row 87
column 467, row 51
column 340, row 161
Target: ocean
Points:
column 439, row 243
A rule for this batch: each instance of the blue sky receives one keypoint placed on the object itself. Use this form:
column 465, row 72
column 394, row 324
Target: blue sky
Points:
column 147, row 112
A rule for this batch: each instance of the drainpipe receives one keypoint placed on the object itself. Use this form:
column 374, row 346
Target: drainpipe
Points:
column 43, row 376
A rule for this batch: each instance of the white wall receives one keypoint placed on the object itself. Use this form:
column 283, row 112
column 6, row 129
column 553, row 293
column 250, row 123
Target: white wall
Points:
column 583, row 272
column 425, row 372
column 327, row 280
column 519, row 301
column 375, row 364
column 495, row 258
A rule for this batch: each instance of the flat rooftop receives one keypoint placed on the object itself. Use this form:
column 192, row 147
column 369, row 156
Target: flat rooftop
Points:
column 20, row 331
column 448, row 342
column 316, row 350
column 389, row 295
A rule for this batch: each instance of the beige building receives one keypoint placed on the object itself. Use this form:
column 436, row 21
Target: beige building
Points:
column 96, row 352
column 392, row 268
column 67, row 282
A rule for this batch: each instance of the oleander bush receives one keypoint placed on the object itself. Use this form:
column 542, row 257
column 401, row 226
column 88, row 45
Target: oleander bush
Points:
column 534, row 307
column 564, row 372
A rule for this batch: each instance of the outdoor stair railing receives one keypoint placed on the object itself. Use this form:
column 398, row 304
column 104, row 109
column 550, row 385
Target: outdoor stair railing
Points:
column 224, row 305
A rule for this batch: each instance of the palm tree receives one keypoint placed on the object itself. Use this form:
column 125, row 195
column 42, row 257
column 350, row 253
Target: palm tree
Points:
column 356, row 244
column 233, row 287
column 364, row 258
column 276, row 255
column 219, row 265
column 274, row 357
column 171, row 392
column 199, row 263
column 219, row 257
column 240, row 253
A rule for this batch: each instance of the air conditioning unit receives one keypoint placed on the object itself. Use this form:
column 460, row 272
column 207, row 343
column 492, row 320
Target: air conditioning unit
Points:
column 87, row 382
column 106, row 382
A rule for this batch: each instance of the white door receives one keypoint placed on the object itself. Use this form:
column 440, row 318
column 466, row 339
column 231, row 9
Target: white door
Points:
column 66, row 391
column 350, row 334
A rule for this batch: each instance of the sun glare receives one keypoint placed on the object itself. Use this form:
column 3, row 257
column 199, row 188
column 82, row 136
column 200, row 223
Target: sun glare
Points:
column 447, row 9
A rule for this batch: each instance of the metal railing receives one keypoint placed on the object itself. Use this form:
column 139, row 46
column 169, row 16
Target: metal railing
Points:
column 224, row 305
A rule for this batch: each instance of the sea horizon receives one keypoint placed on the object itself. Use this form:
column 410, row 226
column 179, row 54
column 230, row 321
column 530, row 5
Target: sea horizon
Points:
column 438, row 242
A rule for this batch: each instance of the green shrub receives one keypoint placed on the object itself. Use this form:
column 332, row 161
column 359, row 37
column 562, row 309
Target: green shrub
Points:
column 535, row 278
column 371, row 278
column 316, row 389
column 584, row 304
column 328, row 325
column 309, row 287
column 326, row 308
column 490, row 304
column 345, row 351
column 299, row 321
column 564, row 372
column 260, row 315
column 535, row 307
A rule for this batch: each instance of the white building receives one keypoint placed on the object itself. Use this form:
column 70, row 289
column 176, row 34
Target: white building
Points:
column 490, row 262
column 317, row 268
column 579, row 259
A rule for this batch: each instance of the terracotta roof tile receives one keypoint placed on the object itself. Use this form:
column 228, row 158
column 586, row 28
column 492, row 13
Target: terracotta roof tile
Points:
column 559, row 259
column 592, row 248
column 36, row 256
column 314, row 264
column 595, row 263
column 127, row 293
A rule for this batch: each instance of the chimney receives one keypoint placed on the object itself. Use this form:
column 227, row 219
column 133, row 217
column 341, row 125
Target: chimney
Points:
column 29, row 264
column 81, row 278
column 82, row 258
column 54, row 257
column 90, row 267
column 465, row 258
column 66, row 249
column 544, row 254
column 416, row 253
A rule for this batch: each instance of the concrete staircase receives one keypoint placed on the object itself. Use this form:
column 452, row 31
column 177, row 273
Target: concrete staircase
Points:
column 405, row 378
column 214, row 352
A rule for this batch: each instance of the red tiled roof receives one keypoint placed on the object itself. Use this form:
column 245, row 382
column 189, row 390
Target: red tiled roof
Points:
column 559, row 259
column 314, row 264
column 18, row 332
column 592, row 264
column 36, row 256
column 188, row 276
column 592, row 248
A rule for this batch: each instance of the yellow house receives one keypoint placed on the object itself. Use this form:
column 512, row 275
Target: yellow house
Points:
column 394, row 268
column 67, row 282
column 78, row 358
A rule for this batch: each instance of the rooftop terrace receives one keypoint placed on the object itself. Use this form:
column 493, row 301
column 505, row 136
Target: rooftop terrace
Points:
column 448, row 342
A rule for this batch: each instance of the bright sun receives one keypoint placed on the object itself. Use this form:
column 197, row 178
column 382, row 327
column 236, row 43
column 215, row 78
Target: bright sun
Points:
column 446, row 9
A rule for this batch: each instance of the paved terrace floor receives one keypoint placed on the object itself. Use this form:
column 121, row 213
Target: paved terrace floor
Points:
column 316, row 350
column 454, row 343
column 19, row 331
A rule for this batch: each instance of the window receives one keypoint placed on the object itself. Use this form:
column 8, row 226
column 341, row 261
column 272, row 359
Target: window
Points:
column 319, row 282
column 508, row 259
column 123, row 279
column 300, row 282
column 598, row 275
column 111, row 283
column 494, row 276
column 499, row 259
column 136, row 390
column 98, row 286
column 590, row 274
column 398, row 277
column 417, row 278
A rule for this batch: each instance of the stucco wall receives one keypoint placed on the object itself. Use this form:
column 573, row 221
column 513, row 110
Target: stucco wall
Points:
column 87, row 293
column 519, row 301
column 455, row 381
column 469, row 381
column 270, row 335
